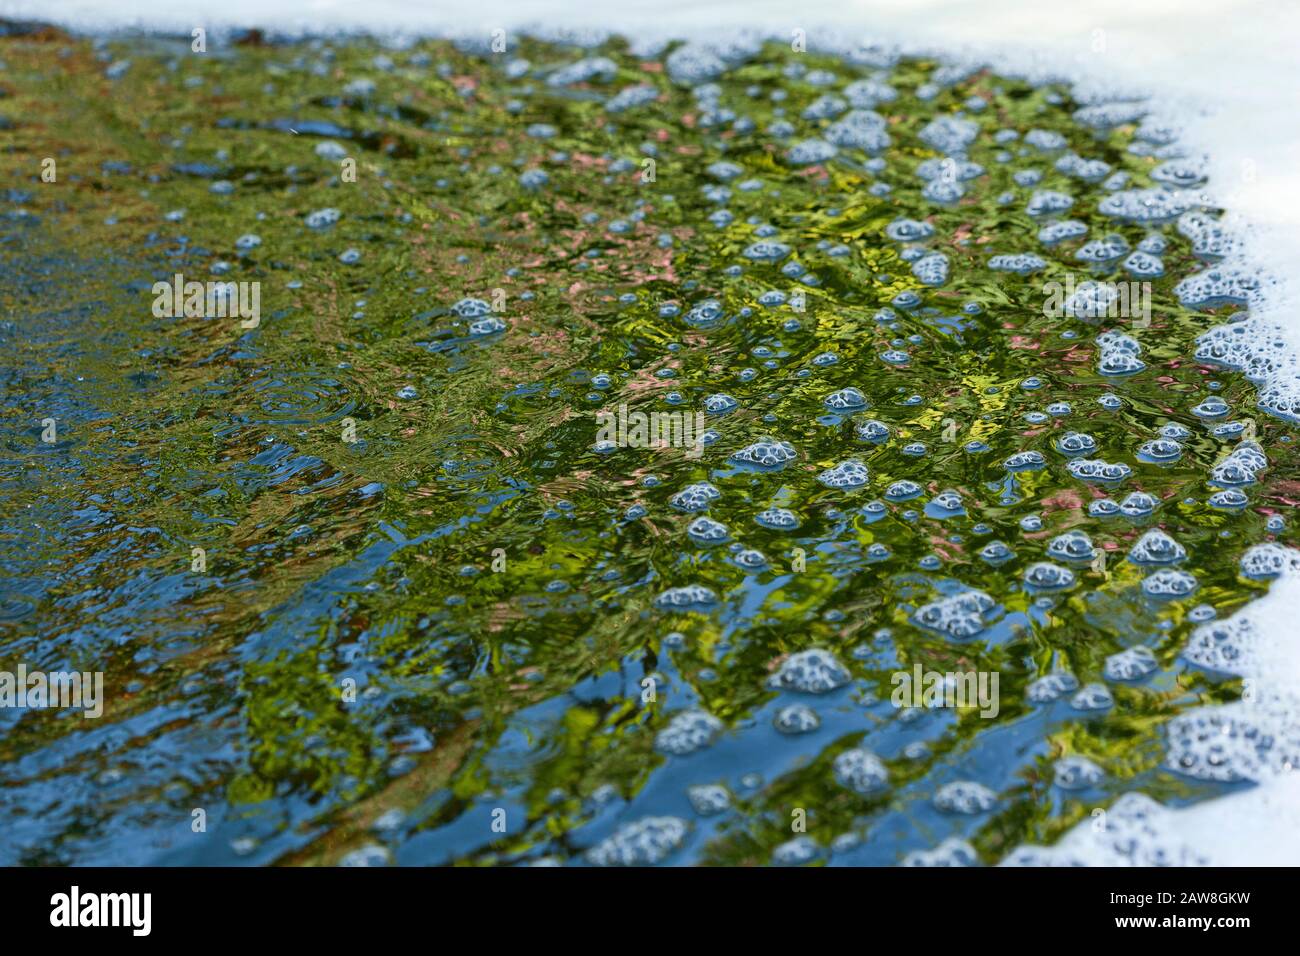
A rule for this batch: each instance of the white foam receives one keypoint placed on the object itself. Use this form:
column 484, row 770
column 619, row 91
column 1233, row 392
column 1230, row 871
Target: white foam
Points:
column 1255, row 739
column 1225, row 79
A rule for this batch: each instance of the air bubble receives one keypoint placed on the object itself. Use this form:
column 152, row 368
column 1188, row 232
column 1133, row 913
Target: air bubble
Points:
column 796, row 719
column 1077, row 773
column 965, row 797
column 1048, row 577
column 958, row 616
column 642, row 843
column 1132, row 664
column 860, row 771
column 847, row 474
column 814, row 671
column 692, row 597
column 766, row 453
column 1168, row 583
column 688, row 732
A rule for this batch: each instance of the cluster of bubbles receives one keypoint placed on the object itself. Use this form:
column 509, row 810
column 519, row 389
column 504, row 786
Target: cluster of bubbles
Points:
column 814, row 271
column 845, row 124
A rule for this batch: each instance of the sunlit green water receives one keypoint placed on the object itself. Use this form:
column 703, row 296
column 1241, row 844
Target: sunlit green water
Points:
column 469, row 563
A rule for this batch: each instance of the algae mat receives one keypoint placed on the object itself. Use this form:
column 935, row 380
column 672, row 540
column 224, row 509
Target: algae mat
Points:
column 724, row 454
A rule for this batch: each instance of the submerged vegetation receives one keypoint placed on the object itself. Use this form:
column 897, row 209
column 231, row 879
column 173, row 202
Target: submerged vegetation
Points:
column 368, row 584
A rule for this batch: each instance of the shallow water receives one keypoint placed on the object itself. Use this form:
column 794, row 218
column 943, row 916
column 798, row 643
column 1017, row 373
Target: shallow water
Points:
column 489, row 575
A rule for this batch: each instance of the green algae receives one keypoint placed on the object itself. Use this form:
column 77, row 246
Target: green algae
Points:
column 233, row 440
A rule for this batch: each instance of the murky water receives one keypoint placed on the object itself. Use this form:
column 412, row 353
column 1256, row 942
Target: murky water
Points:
column 370, row 577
